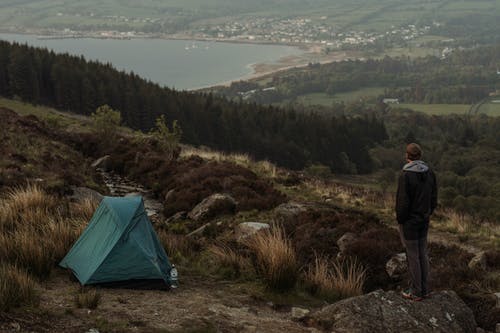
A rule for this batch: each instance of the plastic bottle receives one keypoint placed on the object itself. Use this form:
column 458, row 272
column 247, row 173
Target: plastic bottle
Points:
column 174, row 281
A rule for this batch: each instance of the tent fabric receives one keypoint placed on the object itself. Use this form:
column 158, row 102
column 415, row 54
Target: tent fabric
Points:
column 119, row 244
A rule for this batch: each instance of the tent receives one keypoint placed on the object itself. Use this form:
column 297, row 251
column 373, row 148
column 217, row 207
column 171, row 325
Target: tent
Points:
column 119, row 247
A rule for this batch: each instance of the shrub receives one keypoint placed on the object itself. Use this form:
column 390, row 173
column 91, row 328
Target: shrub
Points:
column 87, row 298
column 339, row 280
column 275, row 258
column 16, row 288
column 106, row 122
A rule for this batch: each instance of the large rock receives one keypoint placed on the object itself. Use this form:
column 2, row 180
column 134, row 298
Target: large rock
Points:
column 213, row 205
column 396, row 266
column 288, row 212
column 245, row 229
column 388, row 312
column 85, row 193
column 347, row 239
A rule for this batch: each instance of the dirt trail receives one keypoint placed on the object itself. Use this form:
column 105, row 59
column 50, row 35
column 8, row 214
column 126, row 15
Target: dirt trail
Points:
column 218, row 306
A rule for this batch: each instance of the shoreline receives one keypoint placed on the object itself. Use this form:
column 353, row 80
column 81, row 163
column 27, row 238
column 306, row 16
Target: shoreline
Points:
column 310, row 53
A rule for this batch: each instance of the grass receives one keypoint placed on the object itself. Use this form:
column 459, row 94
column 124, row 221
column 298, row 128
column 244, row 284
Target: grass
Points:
column 491, row 109
column 233, row 263
column 437, row 109
column 17, row 288
column 335, row 280
column 88, row 298
column 36, row 233
column 275, row 258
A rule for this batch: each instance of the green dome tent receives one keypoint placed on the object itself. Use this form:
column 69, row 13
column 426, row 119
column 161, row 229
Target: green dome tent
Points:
column 119, row 247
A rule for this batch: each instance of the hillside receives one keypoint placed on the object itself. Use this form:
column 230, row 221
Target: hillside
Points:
column 223, row 286
column 453, row 19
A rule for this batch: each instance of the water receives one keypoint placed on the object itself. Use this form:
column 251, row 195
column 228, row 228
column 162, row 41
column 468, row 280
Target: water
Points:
column 175, row 63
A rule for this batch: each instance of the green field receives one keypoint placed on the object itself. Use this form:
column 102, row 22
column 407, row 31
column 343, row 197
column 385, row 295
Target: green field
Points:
column 491, row 109
column 436, row 109
column 324, row 99
column 368, row 15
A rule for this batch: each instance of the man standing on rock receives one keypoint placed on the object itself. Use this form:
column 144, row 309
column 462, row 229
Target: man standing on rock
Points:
column 416, row 200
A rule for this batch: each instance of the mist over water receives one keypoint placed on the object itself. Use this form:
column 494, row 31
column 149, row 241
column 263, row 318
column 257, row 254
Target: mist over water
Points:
column 180, row 64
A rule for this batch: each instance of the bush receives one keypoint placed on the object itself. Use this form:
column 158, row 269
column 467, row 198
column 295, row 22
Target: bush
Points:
column 16, row 288
column 106, row 122
column 275, row 258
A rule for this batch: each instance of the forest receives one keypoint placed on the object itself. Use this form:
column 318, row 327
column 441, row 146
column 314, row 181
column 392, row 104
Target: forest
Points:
column 284, row 136
column 463, row 77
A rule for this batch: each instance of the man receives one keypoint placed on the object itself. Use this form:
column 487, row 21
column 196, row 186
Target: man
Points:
column 416, row 200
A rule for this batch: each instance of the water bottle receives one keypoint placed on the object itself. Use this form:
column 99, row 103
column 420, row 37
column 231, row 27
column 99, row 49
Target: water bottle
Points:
column 174, row 282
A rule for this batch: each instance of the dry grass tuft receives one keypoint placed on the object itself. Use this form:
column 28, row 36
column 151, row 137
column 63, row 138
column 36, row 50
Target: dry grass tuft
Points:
column 16, row 288
column 338, row 280
column 230, row 259
column 176, row 246
column 87, row 298
column 84, row 209
column 275, row 258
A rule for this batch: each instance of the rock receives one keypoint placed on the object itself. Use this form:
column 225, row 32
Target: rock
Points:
column 497, row 329
column 480, row 330
column 478, row 261
column 102, row 163
column 245, row 229
column 346, row 240
column 179, row 216
column 288, row 212
column 299, row 313
column 85, row 193
column 380, row 312
column 396, row 266
column 198, row 231
column 169, row 195
column 497, row 297
column 213, row 205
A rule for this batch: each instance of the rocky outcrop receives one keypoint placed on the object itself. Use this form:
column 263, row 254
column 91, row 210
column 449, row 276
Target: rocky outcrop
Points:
column 246, row 229
column 85, row 193
column 396, row 266
column 213, row 205
column 388, row 312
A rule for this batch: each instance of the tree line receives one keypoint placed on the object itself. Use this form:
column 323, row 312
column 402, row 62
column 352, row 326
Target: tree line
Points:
column 289, row 138
column 463, row 77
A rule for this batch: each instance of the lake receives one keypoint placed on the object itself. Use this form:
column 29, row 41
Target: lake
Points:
column 180, row 64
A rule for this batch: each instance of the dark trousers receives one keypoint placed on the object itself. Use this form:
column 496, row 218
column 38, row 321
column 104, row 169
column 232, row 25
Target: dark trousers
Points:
column 418, row 262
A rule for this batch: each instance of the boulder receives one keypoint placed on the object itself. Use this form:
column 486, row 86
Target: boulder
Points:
column 396, row 266
column 389, row 312
column 478, row 261
column 497, row 329
column 245, row 229
column 102, row 163
column 497, row 298
column 85, row 193
column 288, row 212
column 299, row 313
column 213, row 205
column 169, row 195
column 179, row 216
column 346, row 240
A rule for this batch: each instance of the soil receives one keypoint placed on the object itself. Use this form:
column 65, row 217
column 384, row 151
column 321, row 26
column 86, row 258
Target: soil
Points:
column 197, row 306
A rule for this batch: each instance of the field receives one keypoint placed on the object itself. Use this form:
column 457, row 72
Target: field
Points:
column 181, row 14
column 491, row 109
column 437, row 109
column 324, row 99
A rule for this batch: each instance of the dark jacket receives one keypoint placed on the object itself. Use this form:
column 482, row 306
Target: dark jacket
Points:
column 416, row 198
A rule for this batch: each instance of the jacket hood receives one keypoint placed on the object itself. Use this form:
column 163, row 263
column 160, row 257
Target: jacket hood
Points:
column 416, row 166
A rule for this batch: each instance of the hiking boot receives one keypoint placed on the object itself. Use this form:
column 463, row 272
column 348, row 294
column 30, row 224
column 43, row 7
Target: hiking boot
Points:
column 411, row 296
